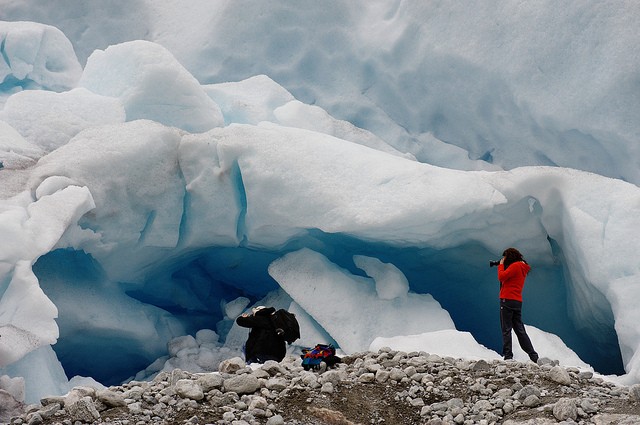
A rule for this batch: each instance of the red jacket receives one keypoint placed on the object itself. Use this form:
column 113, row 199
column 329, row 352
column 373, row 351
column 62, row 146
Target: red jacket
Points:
column 512, row 280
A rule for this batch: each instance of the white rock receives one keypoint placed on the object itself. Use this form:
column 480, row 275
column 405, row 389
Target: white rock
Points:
column 187, row 388
column 559, row 375
column 242, row 384
column 231, row 365
column 565, row 408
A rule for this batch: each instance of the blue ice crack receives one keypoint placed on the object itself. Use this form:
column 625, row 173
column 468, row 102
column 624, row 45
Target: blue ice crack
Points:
column 241, row 228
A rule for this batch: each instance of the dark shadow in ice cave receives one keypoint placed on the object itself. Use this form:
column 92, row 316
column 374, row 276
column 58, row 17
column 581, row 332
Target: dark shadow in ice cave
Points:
column 192, row 286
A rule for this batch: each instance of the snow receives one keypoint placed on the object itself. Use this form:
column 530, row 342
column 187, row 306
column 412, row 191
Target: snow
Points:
column 170, row 167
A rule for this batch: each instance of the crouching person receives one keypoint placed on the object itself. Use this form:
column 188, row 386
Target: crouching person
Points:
column 263, row 342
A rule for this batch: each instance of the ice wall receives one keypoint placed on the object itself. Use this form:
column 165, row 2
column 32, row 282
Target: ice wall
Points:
column 190, row 253
column 149, row 211
column 543, row 83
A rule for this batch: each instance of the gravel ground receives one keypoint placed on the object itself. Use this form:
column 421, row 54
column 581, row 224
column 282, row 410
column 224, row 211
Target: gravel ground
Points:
column 386, row 387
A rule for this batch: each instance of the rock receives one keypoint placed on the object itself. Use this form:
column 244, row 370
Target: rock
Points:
column 480, row 365
column 35, row 419
column 615, row 419
column 242, row 384
column 275, row 420
column 309, row 379
column 176, row 375
column 9, row 406
column 210, row 381
column 136, row 392
column 52, row 399
column 565, row 408
column 83, row 410
column 110, row 398
column 327, row 387
column 49, row 410
column 232, row 365
column 333, row 376
column 367, row 377
column 531, row 401
column 273, row 368
column 559, row 375
column 588, row 406
column 462, row 391
column 481, row 405
column 78, row 393
column 187, row 388
column 277, row 384
column 527, row 391
column 634, row 392
column 382, row 376
column 396, row 374
column 135, row 408
column 586, row 374
column 257, row 402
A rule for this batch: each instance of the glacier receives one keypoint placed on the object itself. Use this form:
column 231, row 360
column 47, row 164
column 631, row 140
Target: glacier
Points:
column 357, row 164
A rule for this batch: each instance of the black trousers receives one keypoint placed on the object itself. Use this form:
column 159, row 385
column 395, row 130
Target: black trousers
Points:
column 511, row 318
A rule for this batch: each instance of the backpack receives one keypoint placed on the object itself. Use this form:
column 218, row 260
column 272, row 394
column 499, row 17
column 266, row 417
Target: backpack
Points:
column 286, row 325
column 312, row 357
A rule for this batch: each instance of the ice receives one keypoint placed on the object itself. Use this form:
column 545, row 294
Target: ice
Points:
column 552, row 347
column 310, row 117
column 99, row 323
column 249, row 101
column 207, row 336
column 390, row 282
column 188, row 353
column 280, row 165
column 36, row 56
column 545, row 85
column 49, row 120
column 176, row 345
column 445, row 343
column 235, row 308
column 27, row 316
column 26, row 313
column 41, row 373
column 311, row 332
column 132, row 72
column 456, row 344
column 357, row 164
column 15, row 151
column 128, row 211
column 348, row 307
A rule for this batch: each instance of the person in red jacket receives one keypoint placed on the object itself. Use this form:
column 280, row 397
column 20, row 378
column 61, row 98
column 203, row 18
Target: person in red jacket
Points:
column 512, row 272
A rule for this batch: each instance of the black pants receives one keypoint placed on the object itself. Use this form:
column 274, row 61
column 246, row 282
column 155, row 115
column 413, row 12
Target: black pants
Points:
column 511, row 318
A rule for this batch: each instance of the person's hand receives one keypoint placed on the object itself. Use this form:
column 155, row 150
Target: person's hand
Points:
column 502, row 261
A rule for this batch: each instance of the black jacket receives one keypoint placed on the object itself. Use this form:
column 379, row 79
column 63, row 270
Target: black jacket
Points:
column 263, row 343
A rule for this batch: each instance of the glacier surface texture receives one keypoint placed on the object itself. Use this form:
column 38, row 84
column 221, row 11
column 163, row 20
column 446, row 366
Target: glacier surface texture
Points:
column 165, row 166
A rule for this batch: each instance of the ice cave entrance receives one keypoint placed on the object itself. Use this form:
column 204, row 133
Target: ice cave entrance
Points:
column 190, row 287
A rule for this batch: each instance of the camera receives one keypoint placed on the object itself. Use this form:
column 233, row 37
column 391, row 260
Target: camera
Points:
column 494, row 263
